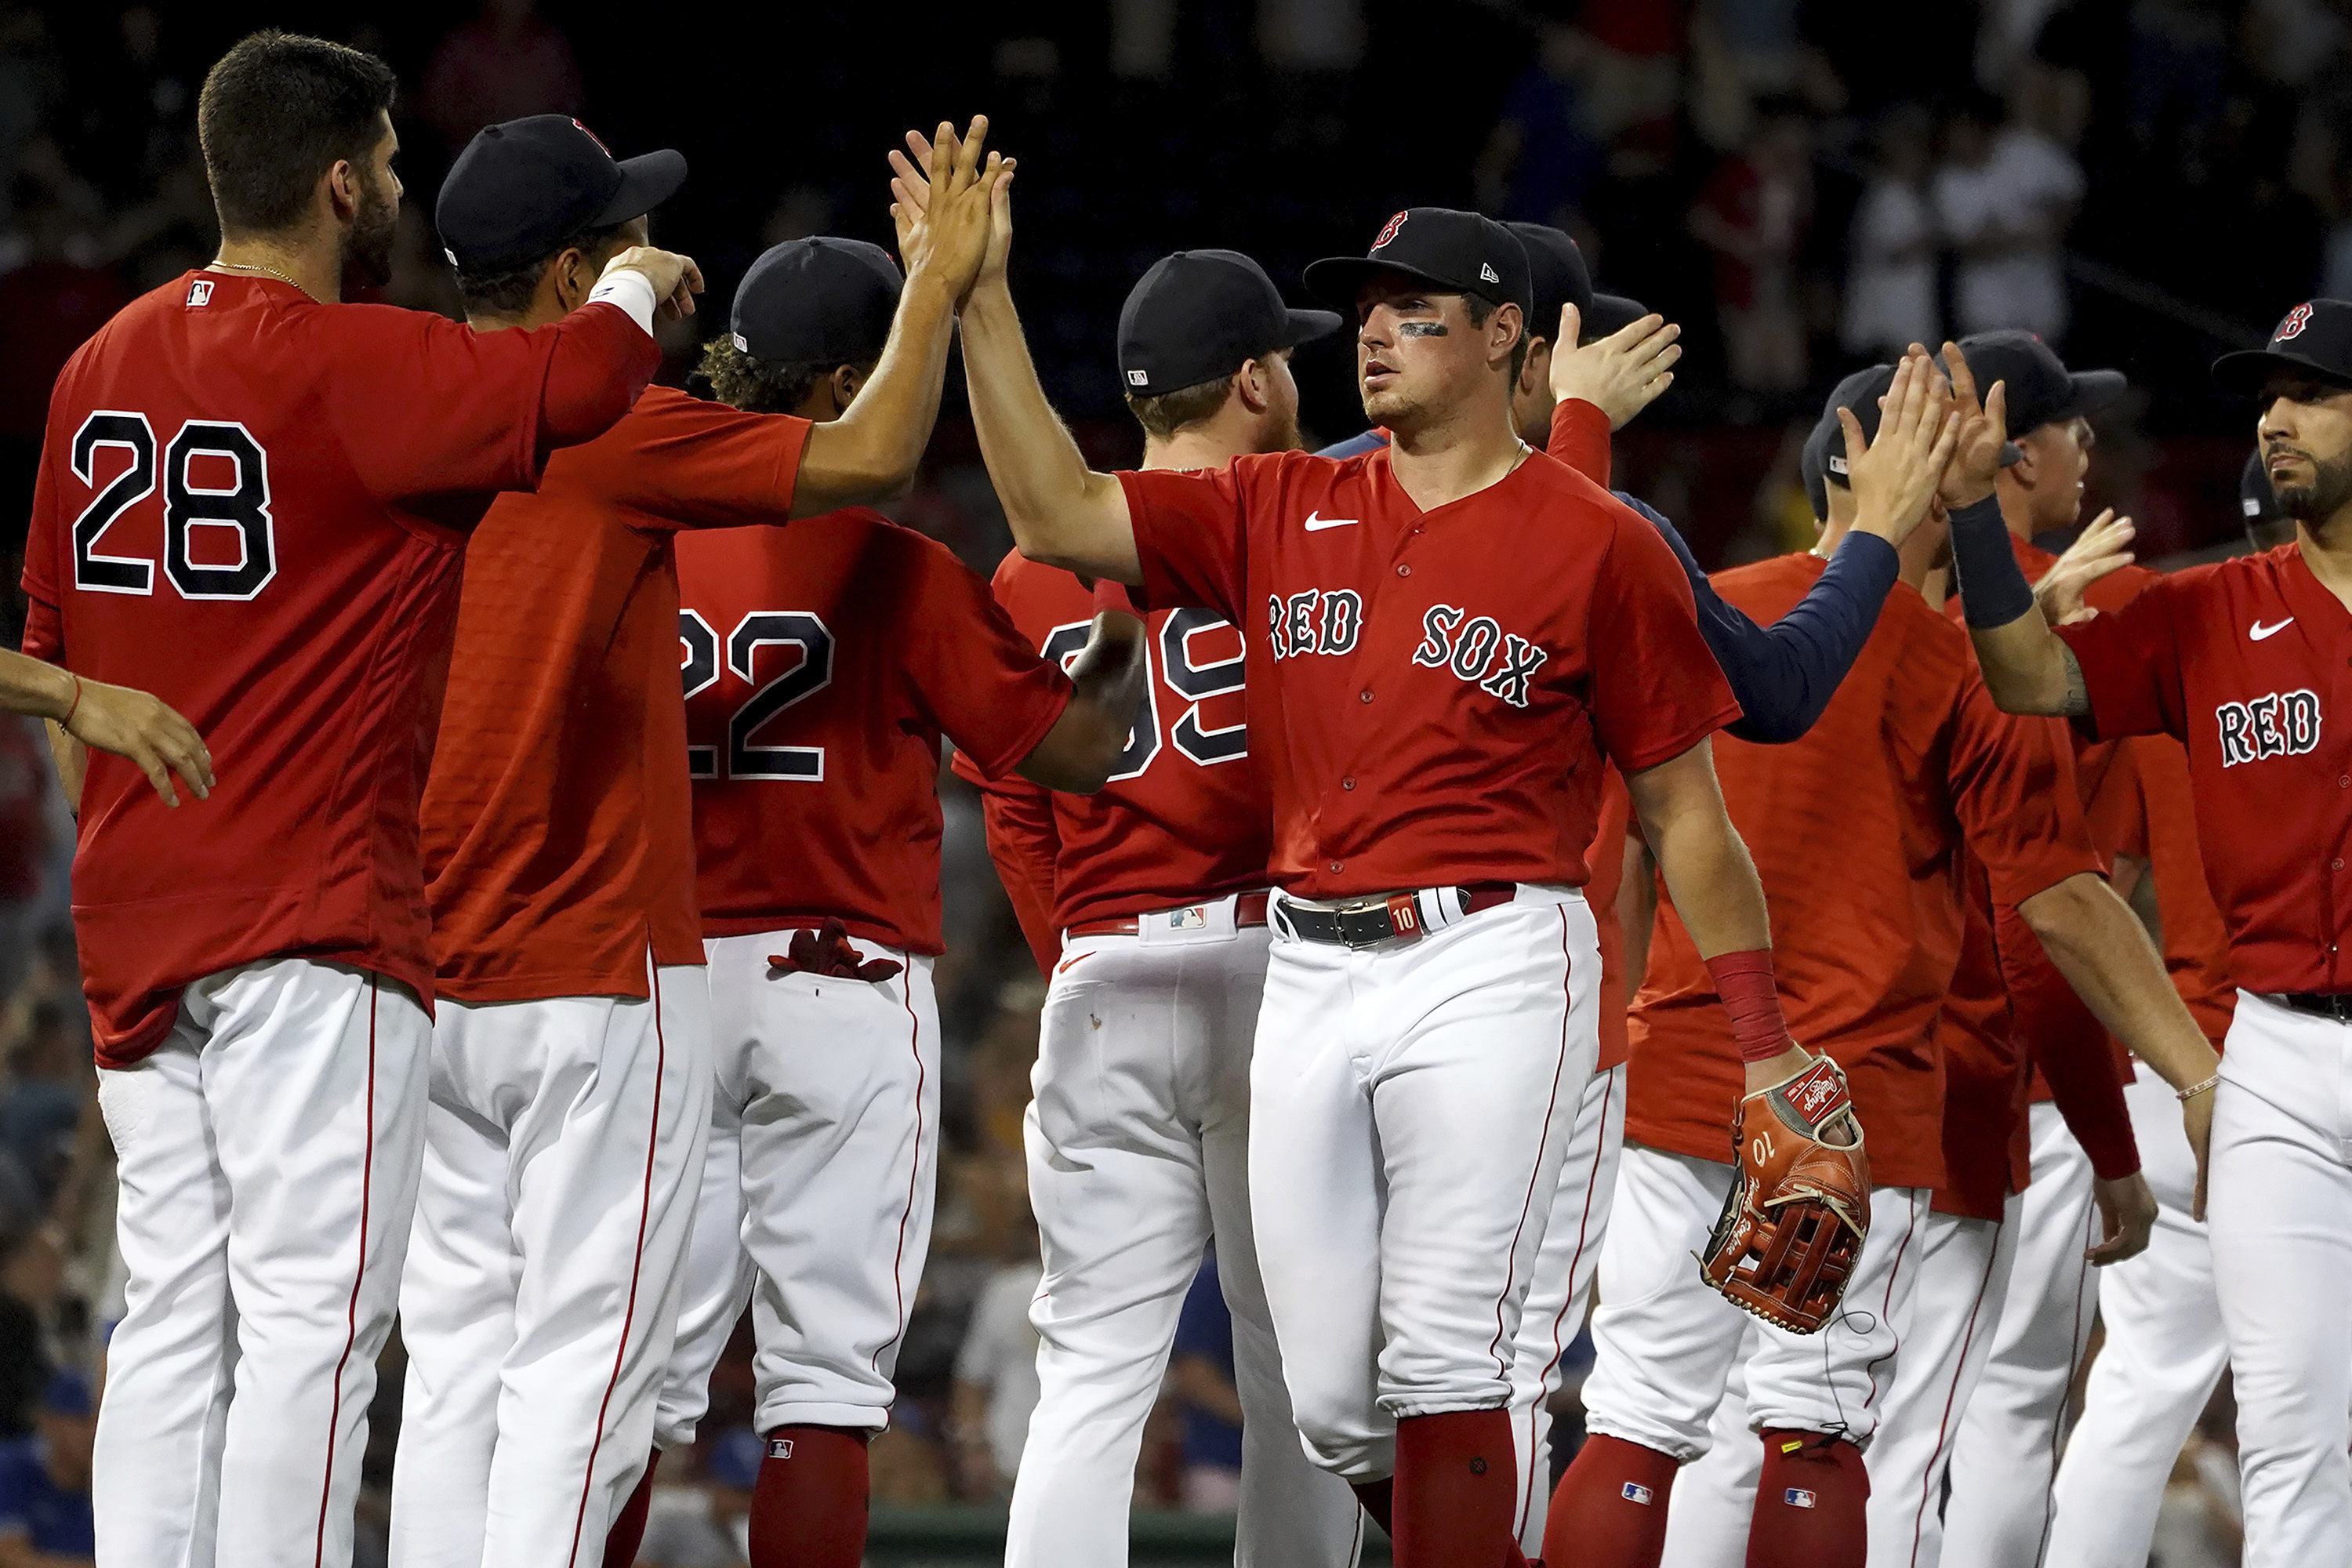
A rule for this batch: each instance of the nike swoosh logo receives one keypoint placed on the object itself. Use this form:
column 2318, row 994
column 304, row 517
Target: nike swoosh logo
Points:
column 1317, row 524
column 2259, row 631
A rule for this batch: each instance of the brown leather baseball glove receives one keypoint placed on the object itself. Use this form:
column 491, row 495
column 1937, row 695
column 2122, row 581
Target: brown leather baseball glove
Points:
column 1792, row 1227
column 828, row 951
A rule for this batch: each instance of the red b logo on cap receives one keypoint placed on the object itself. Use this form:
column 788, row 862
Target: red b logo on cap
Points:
column 1387, row 231
column 592, row 137
column 2296, row 319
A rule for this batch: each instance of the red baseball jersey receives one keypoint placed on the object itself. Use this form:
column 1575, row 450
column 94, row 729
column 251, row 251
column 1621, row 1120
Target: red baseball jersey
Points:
column 2146, row 808
column 1185, row 815
column 823, row 662
column 1856, row 831
column 1988, row 1149
column 2241, row 661
column 559, row 834
column 252, row 505
column 1432, row 694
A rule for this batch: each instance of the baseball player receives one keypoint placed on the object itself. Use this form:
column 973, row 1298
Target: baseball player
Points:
column 1442, row 642
column 2233, row 660
column 822, row 667
column 571, row 1074
column 1956, row 773
column 252, row 502
column 2005, row 1450
column 1147, row 907
column 2163, row 1349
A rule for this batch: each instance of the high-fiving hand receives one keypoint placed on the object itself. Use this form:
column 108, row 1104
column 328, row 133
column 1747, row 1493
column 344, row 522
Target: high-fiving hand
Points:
column 953, row 211
column 2103, row 548
column 1984, row 430
column 1619, row 374
column 146, row 731
column 1893, row 477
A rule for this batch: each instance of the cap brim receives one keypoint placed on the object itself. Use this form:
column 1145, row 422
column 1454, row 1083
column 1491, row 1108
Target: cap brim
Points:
column 2244, row 372
column 1306, row 326
column 1612, row 313
column 2095, row 390
column 1336, row 279
column 647, row 182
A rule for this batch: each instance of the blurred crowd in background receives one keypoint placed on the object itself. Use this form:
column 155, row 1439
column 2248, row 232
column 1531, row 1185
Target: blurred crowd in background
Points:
column 1805, row 186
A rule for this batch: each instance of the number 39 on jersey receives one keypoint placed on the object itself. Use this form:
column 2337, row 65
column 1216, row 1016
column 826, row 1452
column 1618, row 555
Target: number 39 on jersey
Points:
column 1196, row 658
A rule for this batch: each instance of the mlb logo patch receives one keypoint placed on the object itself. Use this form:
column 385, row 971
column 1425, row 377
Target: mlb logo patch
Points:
column 200, row 292
column 1193, row 919
column 782, row 1448
column 1797, row 1496
column 1634, row 1491
column 1139, row 378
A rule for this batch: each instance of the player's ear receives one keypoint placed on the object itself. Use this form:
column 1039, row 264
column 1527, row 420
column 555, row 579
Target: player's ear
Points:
column 342, row 184
column 846, row 381
column 1255, row 385
column 1535, row 371
column 1504, row 327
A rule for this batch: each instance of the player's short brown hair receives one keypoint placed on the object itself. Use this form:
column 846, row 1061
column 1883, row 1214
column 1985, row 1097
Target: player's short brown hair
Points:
column 510, row 291
column 279, row 111
column 1164, row 414
column 760, row 386
column 1478, row 308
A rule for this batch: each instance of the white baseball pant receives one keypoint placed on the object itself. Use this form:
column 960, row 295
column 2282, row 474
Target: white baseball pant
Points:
column 1665, row 1341
column 1410, row 1110
column 1139, row 1152
column 816, row 1201
column 1960, row 1266
column 1562, row 1287
column 267, row 1155
column 1964, row 1267
column 2279, row 1203
column 2002, row 1464
column 562, row 1154
column 2163, row 1353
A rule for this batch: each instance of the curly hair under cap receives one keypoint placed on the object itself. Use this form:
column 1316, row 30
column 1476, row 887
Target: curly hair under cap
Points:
column 759, row 386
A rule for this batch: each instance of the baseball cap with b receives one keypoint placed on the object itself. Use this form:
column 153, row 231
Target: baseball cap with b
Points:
column 520, row 189
column 2039, row 388
column 1454, row 252
column 818, row 300
column 1198, row 315
column 2313, row 338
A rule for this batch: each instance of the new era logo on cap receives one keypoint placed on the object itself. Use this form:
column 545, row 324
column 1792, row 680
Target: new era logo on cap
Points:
column 1487, row 273
column 1797, row 1496
column 1634, row 1491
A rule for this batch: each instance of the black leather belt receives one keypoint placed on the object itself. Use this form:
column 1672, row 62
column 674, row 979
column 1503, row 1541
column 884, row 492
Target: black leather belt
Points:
column 1384, row 918
column 2336, row 1005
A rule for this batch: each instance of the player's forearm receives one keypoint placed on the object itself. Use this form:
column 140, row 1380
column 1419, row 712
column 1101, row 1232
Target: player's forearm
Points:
column 870, row 454
column 1061, row 512
column 2027, row 668
column 1637, row 911
column 72, row 759
column 35, row 686
column 1079, row 752
column 2101, row 949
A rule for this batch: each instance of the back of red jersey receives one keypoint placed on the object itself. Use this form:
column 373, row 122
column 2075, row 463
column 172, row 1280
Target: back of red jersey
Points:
column 252, row 505
column 1185, row 813
column 823, row 662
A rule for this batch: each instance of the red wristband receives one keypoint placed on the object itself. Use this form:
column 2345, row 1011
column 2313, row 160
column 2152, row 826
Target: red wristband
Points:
column 76, row 706
column 1113, row 595
column 1744, row 981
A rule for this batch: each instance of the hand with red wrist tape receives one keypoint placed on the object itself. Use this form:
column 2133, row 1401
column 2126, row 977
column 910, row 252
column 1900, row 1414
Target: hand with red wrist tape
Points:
column 828, row 952
column 1793, row 1226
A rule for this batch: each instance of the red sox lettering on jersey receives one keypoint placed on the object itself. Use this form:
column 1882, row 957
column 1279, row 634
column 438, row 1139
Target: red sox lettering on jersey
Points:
column 1433, row 692
column 2242, row 661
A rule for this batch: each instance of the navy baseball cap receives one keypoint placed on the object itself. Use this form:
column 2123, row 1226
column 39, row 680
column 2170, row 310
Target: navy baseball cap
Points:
column 1454, row 252
column 818, row 300
column 1558, row 276
column 2314, row 339
column 2039, row 389
column 520, row 189
column 1198, row 315
column 1824, row 453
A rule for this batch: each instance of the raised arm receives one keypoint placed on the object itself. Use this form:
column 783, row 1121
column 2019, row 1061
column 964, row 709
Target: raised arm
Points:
column 2027, row 667
column 1061, row 512
column 871, row 452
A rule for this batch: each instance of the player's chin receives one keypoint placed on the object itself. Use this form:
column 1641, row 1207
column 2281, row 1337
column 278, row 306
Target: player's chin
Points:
column 1384, row 401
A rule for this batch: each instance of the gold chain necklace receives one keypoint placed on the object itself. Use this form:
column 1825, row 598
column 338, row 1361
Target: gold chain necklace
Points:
column 254, row 267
